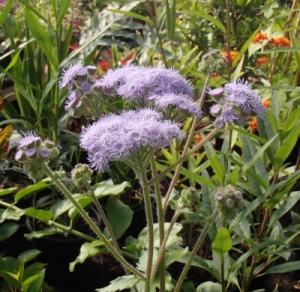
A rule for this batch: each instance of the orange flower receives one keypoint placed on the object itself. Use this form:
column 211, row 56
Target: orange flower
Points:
column 233, row 55
column 259, row 38
column 266, row 103
column 197, row 138
column 253, row 123
column 262, row 61
column 280, row 42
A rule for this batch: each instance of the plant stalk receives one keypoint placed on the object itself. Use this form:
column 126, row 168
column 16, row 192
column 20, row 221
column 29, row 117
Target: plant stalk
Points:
column 91, row 223
column 195, row 250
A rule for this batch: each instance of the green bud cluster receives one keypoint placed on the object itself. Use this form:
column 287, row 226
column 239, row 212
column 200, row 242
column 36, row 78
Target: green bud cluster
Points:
column 229, row 200
column 189, row 199
column 81, row 175
column 34, row 152
column 212, row 62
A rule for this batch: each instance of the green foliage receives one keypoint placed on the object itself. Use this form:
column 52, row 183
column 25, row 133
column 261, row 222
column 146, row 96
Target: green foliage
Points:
column 19, row 275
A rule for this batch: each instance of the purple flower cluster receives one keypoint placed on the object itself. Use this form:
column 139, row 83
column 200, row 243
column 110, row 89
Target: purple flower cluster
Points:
column 140, row 83
column 229, row 201
column 78, row 79
column 236, row 102
column 116, row 137
column 33, row 148
column 182, row 102
column 161, row 87
column 33, row 152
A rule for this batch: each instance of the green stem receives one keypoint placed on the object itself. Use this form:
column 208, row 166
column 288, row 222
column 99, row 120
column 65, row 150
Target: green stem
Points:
column 195, row 250
column 52, row 223
column 161, row 224
column 149, row 217
column 91, row 223
column 161, row 251
column 186, row 147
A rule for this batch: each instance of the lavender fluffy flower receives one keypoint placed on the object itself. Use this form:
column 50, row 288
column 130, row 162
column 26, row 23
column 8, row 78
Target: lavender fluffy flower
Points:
column 117, row 137
column 70, row 73
column 242, row 96
column 182, row 102
column 137, row 83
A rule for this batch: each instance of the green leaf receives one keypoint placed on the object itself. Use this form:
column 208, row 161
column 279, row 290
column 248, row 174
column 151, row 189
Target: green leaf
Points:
column 198, row 178
column 39, row 214
column 7, row 191
column 32, row 189
column 287, row 146
column 121, row 283
column 170, row 17
column 117, row 210
column 174, row 255
column 283, row 268
column 106, row 188
column 217, row 168
column 28, row 255
column 201, row 13
column 87, row 250
column 5, row 10
column 63, row 9
column 285, row 206
column 8, row 270
column 10, row 214
column 134, row 15
column 222, row 242
column 289, row 124
column 209, row 287
column 42, row 37
column 7, row 230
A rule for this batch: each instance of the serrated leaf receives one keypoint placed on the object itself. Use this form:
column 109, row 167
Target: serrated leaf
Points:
column 121, row 283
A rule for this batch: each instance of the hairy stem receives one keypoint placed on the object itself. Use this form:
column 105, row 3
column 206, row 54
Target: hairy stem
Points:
column 195, row 250
column 91, row 223
column 161, row 223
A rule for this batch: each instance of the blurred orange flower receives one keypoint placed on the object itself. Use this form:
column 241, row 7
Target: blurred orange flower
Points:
column 280, row 42
column 262, row 61
column 259, row 38
column 197, row 138
column 233, row 55
column 253, row 123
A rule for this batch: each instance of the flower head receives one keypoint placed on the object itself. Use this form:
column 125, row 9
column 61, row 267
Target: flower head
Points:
column 259, row 38
column 33, row 152
column 136, row 83
column 70, row 73
column 117, row 137
column 280, row 42
column 262, row 61
column 181, row 102
column 232, row 55
column 240, row 94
